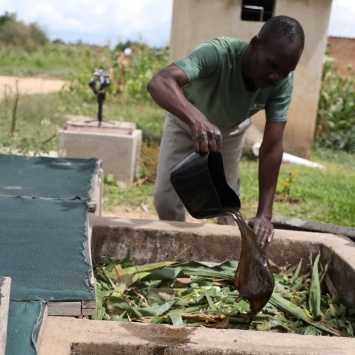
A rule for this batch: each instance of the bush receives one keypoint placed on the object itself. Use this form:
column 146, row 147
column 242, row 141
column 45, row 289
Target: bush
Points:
column 18, row 34
column 335, row 128
column 129, row 74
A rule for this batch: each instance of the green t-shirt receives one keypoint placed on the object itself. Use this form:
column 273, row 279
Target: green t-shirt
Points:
column 217, row 88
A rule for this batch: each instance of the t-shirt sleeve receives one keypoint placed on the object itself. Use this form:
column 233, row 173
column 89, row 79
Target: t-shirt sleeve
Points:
column 278, row 104
column 201, row 62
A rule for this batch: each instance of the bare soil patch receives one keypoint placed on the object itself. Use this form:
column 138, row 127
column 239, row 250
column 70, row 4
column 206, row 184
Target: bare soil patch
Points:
column 29, row 86
column 139, row 213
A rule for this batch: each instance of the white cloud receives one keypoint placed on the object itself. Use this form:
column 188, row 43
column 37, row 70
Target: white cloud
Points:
column 135, row 19
column 121, row 20
column 342, row 18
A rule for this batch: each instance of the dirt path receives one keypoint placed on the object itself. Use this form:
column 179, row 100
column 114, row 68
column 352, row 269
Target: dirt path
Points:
column 29, row 86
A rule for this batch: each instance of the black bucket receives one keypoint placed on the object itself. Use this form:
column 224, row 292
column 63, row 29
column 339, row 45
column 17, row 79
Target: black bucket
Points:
column 202, row 187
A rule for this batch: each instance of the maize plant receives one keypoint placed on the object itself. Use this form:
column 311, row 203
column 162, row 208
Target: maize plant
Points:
column 335, row 127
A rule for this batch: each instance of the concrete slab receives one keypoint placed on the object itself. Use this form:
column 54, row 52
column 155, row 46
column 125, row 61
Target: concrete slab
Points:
column 88, row 124
column 87, row 337
column 119, row 152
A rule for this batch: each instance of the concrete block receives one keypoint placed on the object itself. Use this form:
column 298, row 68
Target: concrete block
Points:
column 119, row 152
column 91, row 337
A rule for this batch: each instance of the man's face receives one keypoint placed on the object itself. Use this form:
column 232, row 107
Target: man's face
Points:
column 269, row 65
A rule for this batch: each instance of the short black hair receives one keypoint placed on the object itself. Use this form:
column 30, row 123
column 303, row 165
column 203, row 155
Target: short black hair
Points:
column 281, row 27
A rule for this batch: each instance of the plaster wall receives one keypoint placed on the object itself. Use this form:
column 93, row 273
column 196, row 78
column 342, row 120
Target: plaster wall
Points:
column 195, row 21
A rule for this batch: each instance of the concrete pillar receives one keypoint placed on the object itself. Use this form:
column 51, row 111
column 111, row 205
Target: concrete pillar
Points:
column 116, row 143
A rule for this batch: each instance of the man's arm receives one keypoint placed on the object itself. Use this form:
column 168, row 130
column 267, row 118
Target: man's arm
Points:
column 165, row 89
column 270, row 158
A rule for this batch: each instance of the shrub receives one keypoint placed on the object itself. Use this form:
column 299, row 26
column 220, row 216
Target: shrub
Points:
column 129, row 75
column 335, row 127
column 18, row 34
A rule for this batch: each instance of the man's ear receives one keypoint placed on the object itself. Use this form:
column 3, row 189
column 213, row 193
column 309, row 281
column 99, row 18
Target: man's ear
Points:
column 254, row 42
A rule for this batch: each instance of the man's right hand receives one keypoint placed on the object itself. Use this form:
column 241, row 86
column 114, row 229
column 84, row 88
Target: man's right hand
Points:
column 205, row 136
column 165, row 89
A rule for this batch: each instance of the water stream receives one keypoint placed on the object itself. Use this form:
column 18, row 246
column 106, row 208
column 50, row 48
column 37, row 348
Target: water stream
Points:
column 253, row 277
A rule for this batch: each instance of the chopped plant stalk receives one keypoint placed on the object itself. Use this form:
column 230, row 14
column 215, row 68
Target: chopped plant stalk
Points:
column 176, row 319
column 279, row 301
column 295, row 274
column 197, row 294
column 209, row 300
column 177, row 257
column 314, row 292
column 326, row 268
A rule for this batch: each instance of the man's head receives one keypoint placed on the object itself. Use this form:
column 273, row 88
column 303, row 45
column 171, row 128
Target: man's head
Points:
column 279, row 27
column 275, row 51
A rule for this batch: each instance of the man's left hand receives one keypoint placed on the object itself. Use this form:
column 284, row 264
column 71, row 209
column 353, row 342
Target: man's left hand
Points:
column 263, row 229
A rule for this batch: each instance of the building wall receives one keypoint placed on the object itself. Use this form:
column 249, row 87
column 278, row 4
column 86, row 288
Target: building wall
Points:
column 195, row 21
column 343, row 52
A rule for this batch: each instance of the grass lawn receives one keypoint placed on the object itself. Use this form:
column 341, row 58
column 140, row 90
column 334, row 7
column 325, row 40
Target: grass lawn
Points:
column 319, row 195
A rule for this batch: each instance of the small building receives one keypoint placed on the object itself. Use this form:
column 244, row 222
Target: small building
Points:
column 196, row 21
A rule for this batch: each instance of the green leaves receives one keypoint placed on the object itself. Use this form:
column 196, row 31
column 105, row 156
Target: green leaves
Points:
column 314, row 291
column 201, row 294
column 336, row 109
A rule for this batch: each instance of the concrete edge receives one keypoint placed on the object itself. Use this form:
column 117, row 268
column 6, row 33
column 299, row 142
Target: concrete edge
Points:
column 216, row 229
column 135, row 133
column 282, row 222
column 344, row 246
column 103, row 337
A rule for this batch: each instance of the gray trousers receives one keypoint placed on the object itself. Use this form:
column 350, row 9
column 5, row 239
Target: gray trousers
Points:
column 176, row 145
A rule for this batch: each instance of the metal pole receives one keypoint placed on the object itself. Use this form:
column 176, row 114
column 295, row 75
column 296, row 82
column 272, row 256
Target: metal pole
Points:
column 100, row 100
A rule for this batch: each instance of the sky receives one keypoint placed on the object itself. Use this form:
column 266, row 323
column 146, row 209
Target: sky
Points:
column 114, row 21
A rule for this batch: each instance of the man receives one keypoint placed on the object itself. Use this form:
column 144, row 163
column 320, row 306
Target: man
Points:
column 210, row 96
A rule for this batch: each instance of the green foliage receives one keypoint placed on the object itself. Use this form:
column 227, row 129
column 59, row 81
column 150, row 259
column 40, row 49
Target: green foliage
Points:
column 284, row 187
column 202, row 294
column 53, row 59
column 36, row 123
column 129, row 75
column 130, row 196
column 110, row 180
column 320, row 195
column 17, row 34
column 140, row 69
column 7, row 17
column 335, row 127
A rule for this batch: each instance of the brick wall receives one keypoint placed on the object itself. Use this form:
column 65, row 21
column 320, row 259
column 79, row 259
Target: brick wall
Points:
column 343, row 51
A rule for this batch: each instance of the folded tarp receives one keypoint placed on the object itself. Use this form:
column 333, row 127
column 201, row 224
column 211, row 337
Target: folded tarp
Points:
column 25, row 320
column 43, row 177
column 42, row 249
